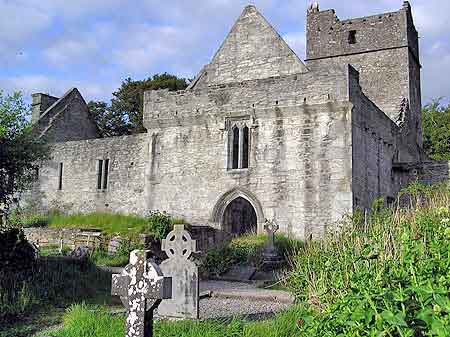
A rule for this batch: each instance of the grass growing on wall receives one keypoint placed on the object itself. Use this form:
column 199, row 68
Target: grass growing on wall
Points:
column 156, row 223
column 109, row 223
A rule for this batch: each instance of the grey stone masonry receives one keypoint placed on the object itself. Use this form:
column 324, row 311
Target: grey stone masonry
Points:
column 258, row 134
column 252, row 50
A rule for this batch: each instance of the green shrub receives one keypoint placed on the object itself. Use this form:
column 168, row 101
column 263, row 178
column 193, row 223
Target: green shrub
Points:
column 101, row 257
column 244, row 249
column 389, row 276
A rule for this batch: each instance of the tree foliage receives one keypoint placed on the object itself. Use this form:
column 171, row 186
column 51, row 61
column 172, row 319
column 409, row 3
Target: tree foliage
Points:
column 124, row 114
column 20, row 150
column 436, row 130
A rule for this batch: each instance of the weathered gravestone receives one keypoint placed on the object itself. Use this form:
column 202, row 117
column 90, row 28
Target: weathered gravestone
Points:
column 271, row 258
column 141, row 287
column 184, row 302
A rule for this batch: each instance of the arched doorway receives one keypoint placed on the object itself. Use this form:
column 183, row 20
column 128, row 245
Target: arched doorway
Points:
column 239, row 217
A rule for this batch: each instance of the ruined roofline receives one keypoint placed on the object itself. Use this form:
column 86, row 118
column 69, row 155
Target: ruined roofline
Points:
column 367, row 18
column 231, row 85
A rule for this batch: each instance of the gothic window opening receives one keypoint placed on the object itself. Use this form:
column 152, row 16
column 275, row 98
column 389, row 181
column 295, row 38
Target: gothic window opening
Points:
column 238, row 145
column 235, row 149
column 245, row 148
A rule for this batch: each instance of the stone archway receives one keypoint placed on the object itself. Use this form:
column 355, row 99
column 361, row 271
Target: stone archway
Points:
column 242, row 206
column 239, row 217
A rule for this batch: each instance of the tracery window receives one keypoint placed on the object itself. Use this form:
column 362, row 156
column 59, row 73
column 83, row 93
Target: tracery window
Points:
column 238, row 145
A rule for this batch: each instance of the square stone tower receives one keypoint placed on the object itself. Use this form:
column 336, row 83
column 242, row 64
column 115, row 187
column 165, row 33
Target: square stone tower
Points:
column 384, row 48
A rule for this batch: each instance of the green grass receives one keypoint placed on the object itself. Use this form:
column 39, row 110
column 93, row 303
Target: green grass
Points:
column 88, row 321
column 109, row 223
column 389, row 276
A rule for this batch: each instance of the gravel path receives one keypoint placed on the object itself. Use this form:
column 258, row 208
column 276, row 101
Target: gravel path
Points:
column 227, row 308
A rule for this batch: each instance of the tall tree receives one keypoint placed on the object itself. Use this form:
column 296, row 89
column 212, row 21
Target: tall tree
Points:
column 20, row 150
column 124, row 114
column 436, row 130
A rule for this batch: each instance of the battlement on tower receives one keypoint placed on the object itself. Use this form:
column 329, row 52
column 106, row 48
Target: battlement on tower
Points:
column 328, row 36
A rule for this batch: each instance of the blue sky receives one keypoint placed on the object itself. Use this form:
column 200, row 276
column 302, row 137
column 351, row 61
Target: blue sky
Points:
column 52, row 45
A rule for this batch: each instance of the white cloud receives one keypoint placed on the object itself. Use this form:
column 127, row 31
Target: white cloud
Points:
column 29, row 84
column 297, row 41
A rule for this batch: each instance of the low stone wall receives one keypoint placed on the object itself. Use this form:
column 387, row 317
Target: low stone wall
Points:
column 43, row 236
column 207, row 237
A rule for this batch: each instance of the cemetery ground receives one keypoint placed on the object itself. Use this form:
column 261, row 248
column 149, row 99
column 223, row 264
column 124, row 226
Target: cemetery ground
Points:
column 384, row 274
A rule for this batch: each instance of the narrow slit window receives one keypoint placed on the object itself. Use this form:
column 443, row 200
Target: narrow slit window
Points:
column 245, row 148
column 352, row 37
column 105, row 174
column 99, row 174
column 60, row 176
column 235, row 150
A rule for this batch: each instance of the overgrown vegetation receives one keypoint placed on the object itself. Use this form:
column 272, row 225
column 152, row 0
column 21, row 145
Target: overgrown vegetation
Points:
column 436, row 130
column 156, row 223
column 31, row 288
column 244, row 249
column 389, row 276
column 20, row 149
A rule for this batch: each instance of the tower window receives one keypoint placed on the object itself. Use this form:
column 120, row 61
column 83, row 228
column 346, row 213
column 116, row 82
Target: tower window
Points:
column 238, row 146
column 352, row 37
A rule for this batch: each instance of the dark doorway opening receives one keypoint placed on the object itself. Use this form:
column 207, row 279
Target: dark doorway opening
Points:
column 239, row 217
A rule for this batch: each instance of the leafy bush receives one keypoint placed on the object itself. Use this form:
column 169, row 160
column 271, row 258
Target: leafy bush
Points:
column 17, row 256
column 244, row 249
column 389, row 276
column 101, row 257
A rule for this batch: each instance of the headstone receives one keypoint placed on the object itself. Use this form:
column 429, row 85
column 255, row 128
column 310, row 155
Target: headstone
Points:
column 271, row 258
column 141, row 287
column 185, row 288
column 80, row 252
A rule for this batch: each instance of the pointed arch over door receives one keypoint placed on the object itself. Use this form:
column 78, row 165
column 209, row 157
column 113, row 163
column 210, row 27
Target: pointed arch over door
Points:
column 218, row 212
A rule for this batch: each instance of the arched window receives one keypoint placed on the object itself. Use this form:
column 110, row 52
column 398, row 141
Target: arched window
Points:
column 235, row 149
column 245, row 148
column 239, row 146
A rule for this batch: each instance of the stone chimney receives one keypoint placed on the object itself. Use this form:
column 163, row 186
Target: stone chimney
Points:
column 40, row 103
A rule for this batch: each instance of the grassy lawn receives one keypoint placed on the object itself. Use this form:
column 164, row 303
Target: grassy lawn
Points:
column 85, row 321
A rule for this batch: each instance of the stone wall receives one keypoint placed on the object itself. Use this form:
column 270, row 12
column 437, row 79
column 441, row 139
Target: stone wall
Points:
column 385, row 52
column 300, row 153
column 69, row 119
column 127, row 156
column 252, row 50
column 72, row 238
column 378, row 144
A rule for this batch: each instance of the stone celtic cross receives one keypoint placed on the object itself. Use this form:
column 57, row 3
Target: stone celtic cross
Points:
column 271, row 258
column 141, row 287
column 184, row 302
column 271, row 228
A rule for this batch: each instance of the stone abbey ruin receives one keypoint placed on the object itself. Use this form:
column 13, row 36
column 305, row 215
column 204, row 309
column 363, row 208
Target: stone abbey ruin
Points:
column 258, row 134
